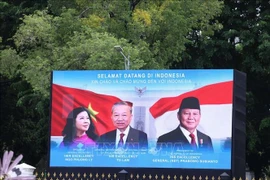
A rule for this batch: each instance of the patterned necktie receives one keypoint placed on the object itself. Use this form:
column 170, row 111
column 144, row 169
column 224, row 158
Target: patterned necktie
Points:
column 121, row 141
column 193, row 141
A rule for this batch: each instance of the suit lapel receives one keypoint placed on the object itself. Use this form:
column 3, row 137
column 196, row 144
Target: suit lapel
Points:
column 132, row 137
column 181, row 136
column 112, row 137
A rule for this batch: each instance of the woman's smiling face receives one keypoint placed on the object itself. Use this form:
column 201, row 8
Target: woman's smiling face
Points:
column 82, row 123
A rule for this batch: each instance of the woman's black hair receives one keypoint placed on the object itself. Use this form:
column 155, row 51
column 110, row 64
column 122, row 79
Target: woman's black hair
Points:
column 69, row 132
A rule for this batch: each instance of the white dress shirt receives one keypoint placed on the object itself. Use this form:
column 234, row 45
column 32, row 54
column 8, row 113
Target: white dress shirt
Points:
column 117, row 139
column 187, row 133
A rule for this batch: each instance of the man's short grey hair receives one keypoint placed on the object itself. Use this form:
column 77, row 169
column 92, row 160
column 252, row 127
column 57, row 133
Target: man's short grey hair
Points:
column 121, row 103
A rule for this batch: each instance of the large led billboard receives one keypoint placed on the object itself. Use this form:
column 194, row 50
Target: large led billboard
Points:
column 142, row 119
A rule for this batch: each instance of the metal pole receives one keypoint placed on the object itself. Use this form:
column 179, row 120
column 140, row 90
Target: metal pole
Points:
column 127, row 62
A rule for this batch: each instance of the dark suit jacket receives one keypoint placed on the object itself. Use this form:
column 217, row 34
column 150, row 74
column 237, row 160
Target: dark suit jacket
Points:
column 135, row 140
column 176, row 140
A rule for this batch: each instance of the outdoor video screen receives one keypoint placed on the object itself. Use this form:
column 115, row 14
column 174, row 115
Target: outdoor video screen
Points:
column 141, row 118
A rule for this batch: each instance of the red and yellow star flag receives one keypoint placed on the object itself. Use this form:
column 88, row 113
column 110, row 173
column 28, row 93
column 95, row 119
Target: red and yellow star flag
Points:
column 65, row 99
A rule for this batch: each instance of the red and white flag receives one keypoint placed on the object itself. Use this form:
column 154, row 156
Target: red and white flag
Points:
column 216, row 110
column 65, row 99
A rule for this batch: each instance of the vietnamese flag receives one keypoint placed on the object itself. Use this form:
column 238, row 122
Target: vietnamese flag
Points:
column 216, row 109
column 65, row 99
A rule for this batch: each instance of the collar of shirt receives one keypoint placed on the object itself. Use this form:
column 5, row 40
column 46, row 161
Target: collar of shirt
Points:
column 187, row 133
column 118, row 135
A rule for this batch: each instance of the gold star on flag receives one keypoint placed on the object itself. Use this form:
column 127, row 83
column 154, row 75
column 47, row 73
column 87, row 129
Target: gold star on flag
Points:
column 93, row 113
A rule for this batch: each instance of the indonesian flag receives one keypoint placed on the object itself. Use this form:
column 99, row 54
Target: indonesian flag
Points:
column 65, row 99
column 216, row 110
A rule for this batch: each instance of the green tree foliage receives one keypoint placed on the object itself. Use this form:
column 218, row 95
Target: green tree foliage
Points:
column 164, row 25
column 23, row 128
column 46, row 43
column 81, row 34
column 12, row 11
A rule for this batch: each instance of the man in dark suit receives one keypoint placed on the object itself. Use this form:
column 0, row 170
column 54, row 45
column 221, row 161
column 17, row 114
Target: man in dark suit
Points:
column 124, row 136
column 186, row 136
